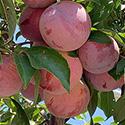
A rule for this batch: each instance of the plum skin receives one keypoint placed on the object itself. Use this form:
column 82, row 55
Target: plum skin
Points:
column 10, row 82
column 97, row 57
column 65, row 26
column 29, row 24
column 68, row 104
column 29, row 92
column 104, row 82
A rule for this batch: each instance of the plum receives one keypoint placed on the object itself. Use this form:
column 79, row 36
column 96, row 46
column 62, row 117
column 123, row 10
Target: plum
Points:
column 99, row 57
column 68, row 104
column 29, row 92
column 65, row 26
column 104, row 82
column 29, row 24
column 10, row 82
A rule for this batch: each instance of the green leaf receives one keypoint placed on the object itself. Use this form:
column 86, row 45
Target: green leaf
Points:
column 73, row 54
column 9, row 103
column 87, row 124
column 19, row 1
column 1, row 60
column 117, row 3
column 90, row 7
column 106, row 102
column 114, row 74
column 121, row 123
column 1, row 41
column 51, row 60
column 113, row 123
column 122, row 34
column 20, row 117
column 100, row 37
column 93, row 102
column 101, row 11
column 120, row 66
column 29, row 111
column 36, row 113
column 119, row 109
column 114, row 34
column 1, row 10
column 7, row 7
column 118, row 38
column 79, row 117
column 98, row 119
column 96, row 1
column 5, row 117
column 24, row 67
column 80, row 1
column 94, row 97
column 37, row 78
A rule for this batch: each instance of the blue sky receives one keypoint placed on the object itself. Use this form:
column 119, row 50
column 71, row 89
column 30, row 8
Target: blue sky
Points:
column 98, row 112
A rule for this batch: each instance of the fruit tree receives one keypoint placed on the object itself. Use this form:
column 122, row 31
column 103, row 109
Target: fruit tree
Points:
column 62, row 60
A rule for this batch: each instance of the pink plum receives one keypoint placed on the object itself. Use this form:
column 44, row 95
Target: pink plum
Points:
column 65, row 26
column 29, row 24
column 10, row 82
column 98, row 57
column 68, row 104
column 104, row 82
column 29, row 92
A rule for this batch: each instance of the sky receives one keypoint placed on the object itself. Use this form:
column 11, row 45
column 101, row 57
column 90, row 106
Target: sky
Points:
column 98, row 112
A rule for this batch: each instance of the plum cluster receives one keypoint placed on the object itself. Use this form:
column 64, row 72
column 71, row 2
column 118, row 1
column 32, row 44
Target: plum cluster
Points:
column 64, row 26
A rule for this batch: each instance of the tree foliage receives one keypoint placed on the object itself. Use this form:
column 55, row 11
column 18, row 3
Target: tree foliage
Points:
column 108, row 19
